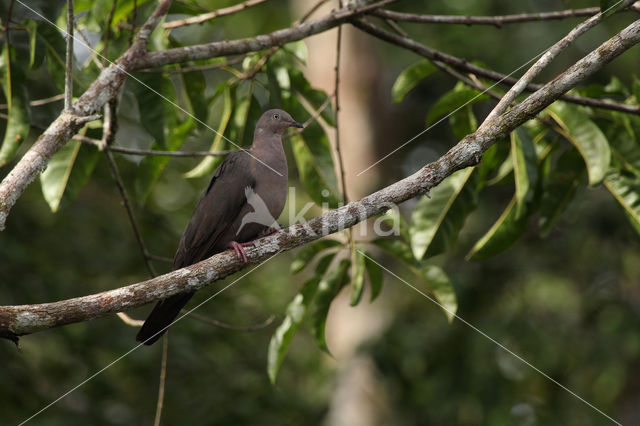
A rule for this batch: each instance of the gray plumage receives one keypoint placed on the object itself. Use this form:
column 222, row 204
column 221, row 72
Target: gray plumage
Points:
column 217, row 220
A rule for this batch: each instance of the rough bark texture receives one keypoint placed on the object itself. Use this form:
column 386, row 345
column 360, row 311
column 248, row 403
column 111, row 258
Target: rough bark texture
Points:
column 19, row 320
column 68, row 124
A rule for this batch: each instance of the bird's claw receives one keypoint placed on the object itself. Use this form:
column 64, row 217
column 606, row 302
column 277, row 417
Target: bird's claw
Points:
column 239, row 249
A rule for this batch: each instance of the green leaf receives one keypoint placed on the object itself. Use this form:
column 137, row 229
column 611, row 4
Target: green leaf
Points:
column 328, row 289
column 463, row 122
column 585, row 135
column 436, row 221
column 524, row 158
column 175, row 128
column 442, row 288
column 453, row 101
column 397, row 248
column 560, row 187
column 14, row 85
column 323, row 264
column 308, row 252
column 504, row 232
column 209, row 164
column 310, row 169
column 68, row 171
column 311, row 148
column 282, row 337
column 410, row 77
column 316, row 98
column 624, row 137
column 357, row 276
column 435, row 278
column 374, row 272
column 625, row 188
column 394, row 219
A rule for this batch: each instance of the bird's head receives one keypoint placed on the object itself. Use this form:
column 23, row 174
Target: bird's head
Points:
column 276, row 121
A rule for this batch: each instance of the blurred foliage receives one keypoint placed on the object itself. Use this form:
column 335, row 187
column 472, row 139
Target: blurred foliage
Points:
column 548, row 222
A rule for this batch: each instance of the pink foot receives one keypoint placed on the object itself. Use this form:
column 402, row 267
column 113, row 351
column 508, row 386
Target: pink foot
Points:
column 239, row 249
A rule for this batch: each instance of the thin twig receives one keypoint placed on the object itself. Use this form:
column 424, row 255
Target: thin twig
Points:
column 213, row 14
column 94, row 54
column 496, row 21
column 133, row 151
column 314, row 116
column 68, row 83
column 134, row 15
column 462, row 65
column 542, row 63
column 163, row 378
column 194, row 68
column 108, row 136
column 226, row 326
column 107, row 30
column 39, row 102
column 336, row 100
column 311, row 11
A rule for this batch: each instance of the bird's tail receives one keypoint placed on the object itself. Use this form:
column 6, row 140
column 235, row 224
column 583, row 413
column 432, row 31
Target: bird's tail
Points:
column 161, row 317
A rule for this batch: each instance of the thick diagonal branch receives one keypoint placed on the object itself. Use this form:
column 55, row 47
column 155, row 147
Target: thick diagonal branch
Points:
column 24, row 319
column 69, row 123
column 464, row 66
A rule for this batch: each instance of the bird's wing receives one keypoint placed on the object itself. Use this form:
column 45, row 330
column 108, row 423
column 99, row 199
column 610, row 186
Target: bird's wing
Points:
column 218, row 208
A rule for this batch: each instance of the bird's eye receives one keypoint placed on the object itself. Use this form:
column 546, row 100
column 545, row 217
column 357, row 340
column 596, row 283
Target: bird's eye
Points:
column 276, row 116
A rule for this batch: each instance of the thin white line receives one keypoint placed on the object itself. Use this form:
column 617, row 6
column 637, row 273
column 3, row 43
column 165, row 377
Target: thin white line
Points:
column 151, row 88
column 476, row 329
column 141, row 344
column 469, row 101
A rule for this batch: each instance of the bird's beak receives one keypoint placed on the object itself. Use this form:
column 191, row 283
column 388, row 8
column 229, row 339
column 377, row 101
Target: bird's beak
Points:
column 296, row 124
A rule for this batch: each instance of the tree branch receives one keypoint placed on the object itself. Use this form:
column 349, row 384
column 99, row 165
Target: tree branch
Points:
column 462, row 65
column 213, row 14
column 24, row 319
column 545, row 60
column 252, row 44
column 496, row 21
column 68, row 124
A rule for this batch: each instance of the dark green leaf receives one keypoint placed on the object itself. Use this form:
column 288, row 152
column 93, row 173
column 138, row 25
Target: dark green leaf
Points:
column 14, row 86
column 397, row 248
column 328, row 289
column 316, row 98
column 374, row 272
column 504, row 232
column 453, row 101
column 560, row 186
column 357, row 276
column 442, row 288
column 308, row 252
column 463, row 122
column 410, row 77
column 394, row 219
column 209, row 164
column 625, row 188
column 282, row 337
column 68, row 171
column 436, row 221
column 524, row 158
column 585, row 135
column 310, row 169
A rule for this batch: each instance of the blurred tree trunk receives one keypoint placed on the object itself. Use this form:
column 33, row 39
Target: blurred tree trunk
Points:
column 358, row 399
